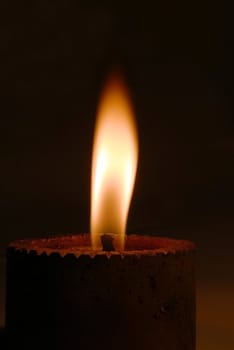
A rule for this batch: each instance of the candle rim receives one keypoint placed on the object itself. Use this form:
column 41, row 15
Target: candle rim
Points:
column 80, row 245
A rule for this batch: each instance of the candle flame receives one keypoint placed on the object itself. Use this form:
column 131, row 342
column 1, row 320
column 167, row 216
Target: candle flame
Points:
column 114, row 164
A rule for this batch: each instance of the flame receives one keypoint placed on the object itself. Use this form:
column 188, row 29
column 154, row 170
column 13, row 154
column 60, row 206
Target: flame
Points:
column 114, row 164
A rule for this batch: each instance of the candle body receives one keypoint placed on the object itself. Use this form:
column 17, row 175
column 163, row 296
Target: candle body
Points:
column 109, row 301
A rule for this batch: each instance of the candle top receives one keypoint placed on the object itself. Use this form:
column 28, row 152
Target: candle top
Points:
column 80, row 244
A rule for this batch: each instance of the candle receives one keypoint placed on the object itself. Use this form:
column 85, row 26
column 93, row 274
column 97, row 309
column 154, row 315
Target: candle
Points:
column 104, row 290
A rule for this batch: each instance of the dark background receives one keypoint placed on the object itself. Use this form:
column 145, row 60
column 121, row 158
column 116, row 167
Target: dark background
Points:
column 177, row 58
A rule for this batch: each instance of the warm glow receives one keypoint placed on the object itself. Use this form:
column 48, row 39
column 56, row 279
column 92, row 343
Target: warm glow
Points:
column 114, row 164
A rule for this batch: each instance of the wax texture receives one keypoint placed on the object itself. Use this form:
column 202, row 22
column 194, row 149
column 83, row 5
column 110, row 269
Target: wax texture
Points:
column 141, row 299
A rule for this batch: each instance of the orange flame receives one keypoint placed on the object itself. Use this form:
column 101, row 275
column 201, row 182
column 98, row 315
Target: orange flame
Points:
column 114, row 164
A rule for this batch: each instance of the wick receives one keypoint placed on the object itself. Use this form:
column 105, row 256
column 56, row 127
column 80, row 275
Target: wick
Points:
column 107, row 242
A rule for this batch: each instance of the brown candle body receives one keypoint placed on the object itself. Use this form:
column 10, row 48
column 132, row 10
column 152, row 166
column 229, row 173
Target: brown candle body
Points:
column 62, row 296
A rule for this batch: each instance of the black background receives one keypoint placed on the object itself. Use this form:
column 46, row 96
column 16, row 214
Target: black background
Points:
column 177, row 59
